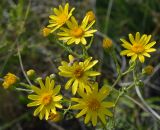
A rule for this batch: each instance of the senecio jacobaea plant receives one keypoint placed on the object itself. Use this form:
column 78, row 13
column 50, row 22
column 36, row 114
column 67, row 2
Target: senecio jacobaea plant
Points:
column 92, row 102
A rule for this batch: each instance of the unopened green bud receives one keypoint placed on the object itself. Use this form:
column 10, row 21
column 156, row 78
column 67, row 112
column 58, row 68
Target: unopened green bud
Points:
column 31, row 74
column 52, row 76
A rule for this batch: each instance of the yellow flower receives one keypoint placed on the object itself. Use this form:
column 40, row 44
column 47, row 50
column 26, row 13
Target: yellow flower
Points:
column 45, row 98
column 61, row 16
column 91, row 16
column 107, row 43
column 93, row 105
column 139, row 47
column 9, row 80
column 46, row 31
column 76, row 33
column 78, row 72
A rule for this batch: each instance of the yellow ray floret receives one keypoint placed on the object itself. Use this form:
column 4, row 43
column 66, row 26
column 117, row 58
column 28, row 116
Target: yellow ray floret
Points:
column 46, row 98
column 77, row 33
column 78, row 72
column 92, row 105
column 138, row 47
column 61, row 15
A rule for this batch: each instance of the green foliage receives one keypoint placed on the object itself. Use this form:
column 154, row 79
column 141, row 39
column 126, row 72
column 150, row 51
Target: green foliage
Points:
column 21, row 23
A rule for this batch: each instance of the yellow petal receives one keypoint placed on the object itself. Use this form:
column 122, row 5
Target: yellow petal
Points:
column 102, row 117
column 92, row 73
column 107, row 112
column 38, row 110
column 83, row 40
column 81, row 113
column 146, row 54
column 151, row 50
column 91, row 64
column 56, row 90
column 134, row 57
column 58, row 105
column 57, row 98
column 137, row 38
column 124, row 52
column 127, row 46
column 124, row 41
column 141, row 58
column 69, row 83
column 87, row 118
column 150, row 45
column 46, row 114
column 35, row 103
column 147, row 39
column 34, row 97
column 131, row 38
column 94, row 118
column 108, row 104
column 74, row 87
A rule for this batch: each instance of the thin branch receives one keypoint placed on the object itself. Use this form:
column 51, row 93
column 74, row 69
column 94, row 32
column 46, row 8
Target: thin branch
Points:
column 154, row 113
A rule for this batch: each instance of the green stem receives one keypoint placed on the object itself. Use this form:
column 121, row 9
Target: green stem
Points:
column 67, row 48
column 90, row 43
column 116, row 61
column 25, row 85
column 117, row 80
column 24, row 90
column 85, row 53
column 21, row 65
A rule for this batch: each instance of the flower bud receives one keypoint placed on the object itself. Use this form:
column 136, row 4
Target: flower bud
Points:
column 107, row 43
column 52, row 76
column 91, row 16
column 9, row 80
column 148, row 70
column 55, row 117
column 31, row 74
column 46, row 31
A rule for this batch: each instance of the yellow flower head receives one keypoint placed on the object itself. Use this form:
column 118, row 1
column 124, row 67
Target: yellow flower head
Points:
column 93, row 105
column 61, row 16
column 107, row 43
column 46, row 31
column 9, row 80
column 78, row 72
column 76, row 33
column 91, row 16
column 139, row 47
column 45, row 98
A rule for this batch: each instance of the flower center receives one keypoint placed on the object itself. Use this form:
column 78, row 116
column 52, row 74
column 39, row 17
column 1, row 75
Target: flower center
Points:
column 62, row 19
column 77, row 32
column 46, row 99
column 93, row 104
column 137, row 48
column 78, row 72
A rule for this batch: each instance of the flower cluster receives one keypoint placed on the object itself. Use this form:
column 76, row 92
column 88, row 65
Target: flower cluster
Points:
column 78, row 71
column 69, row 30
